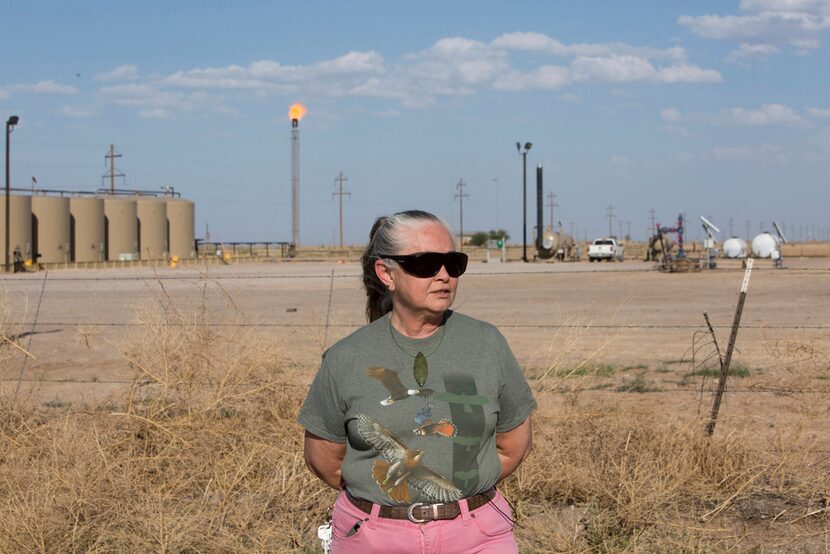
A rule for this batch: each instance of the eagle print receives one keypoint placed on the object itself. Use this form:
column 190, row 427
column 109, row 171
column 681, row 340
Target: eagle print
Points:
column 402, row 467
column 391, row 381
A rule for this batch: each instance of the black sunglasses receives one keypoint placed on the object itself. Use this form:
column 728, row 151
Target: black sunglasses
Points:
column 428, row 264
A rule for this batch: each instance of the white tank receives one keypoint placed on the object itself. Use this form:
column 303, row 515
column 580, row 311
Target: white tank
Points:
column 734, row 248
column 766, row 246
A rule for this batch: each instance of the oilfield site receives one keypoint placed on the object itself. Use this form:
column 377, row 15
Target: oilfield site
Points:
column 152, row 408
column 201, row 200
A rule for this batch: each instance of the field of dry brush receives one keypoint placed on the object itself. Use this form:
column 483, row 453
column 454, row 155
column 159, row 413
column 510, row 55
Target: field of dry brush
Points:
column 154, row 411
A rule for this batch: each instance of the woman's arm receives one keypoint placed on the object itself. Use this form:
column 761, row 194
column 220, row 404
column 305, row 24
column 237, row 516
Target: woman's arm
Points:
column 513, row 447
column 324, row 459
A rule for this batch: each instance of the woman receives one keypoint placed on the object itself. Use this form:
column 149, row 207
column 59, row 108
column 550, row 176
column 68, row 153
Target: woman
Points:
column 417, row 416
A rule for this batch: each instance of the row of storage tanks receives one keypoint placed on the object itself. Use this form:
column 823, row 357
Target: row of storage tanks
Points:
column 99, row 228
column 765, row 245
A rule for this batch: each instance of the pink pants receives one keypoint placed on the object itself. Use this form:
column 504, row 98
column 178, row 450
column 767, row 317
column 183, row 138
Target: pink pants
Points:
column 483, row 530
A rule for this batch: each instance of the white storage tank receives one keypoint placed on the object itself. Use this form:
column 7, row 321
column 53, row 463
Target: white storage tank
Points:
column 86, row 229
column 734, row 247
column 766, row 246
column 50, row 229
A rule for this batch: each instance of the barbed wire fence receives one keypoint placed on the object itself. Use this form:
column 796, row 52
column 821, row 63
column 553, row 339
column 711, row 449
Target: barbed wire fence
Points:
column 694, row 359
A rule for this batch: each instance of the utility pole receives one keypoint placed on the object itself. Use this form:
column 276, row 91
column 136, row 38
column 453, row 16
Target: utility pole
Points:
column 610, row 215
column 461, row 195
column 552, row 204
column 652, row 229
column 113, row 173
column 731, row 234
column 341, row 193
column 628, row 235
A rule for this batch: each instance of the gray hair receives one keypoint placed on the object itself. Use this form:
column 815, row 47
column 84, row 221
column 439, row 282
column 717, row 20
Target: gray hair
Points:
column 386, row 239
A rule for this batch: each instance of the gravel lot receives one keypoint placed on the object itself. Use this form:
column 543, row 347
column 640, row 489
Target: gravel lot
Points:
column 554, row 315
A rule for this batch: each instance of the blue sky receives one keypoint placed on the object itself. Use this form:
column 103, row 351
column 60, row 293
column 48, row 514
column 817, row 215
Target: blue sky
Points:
column 711, row 108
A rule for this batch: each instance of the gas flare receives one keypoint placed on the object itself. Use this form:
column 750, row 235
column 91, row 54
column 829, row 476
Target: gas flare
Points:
column 296, row 111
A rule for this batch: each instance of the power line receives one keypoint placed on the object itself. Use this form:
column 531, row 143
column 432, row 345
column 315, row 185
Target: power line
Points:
column 552, row 204
column 113, row 172
column 609, row 213
column 341, row 193
column 461, row 195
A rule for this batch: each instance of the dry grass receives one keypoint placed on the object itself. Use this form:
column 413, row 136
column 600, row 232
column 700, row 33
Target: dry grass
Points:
column 203, row 455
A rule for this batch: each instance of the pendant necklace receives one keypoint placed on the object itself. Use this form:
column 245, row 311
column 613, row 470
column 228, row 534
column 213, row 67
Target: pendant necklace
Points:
column 420, row 368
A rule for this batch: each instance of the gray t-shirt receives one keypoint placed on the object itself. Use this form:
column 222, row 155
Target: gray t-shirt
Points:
column 418, row 428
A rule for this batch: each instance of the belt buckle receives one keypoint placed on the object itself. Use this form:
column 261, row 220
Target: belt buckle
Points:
column 411, row 516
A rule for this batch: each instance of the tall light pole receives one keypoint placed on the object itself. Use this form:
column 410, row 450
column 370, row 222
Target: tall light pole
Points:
column 12, row 121
column 528, row 146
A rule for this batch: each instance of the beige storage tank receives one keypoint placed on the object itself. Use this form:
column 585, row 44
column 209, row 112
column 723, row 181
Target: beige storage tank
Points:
column 50, row 228
column 181, row 227
column 152, row 228
column 120, row 228
column 20, row 227
column 86, row 229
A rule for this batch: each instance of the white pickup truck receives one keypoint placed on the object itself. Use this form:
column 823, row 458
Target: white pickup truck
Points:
column 605, row 249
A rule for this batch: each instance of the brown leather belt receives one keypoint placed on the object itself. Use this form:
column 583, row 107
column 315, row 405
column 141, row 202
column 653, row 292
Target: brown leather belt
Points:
column 421, row 512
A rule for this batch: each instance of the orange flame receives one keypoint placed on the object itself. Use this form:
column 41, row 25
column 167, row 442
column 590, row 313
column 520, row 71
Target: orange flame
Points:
column 297, row 111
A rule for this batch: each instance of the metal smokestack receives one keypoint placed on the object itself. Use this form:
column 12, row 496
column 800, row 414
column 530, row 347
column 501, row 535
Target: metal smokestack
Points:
column 295, row 114
column 295, row 183
column 540, row 224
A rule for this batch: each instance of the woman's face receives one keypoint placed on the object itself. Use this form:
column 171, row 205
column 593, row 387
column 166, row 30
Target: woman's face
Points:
column 431, row 295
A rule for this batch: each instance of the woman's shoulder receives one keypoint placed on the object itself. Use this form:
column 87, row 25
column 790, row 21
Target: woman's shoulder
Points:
column 470, row 325
column 363, row 337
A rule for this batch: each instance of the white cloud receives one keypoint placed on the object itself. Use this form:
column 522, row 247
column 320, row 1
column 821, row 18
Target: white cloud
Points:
column 534, row 42
column 269, row 75
column 41, row 87
column 623, row 68
column 457, row 60
column 752, row 51
column 615, row 68
column 570, row 98
column 154, row 113
column 154, row 103
column 685, row 157
column 818, row 112
column 620, row 161
column 686, row 73
column 451, row 66
column 732, row 153
column 795, row 22
column 767, row 153
column 767, row 114
column 77, row 111
column 670, row 114
column 539, row 42
column 547, row 77
column 120, row 73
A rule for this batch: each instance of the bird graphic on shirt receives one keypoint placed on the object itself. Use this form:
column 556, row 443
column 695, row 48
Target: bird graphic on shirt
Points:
column 427, row 426
column 392, row 383
column 403, row 467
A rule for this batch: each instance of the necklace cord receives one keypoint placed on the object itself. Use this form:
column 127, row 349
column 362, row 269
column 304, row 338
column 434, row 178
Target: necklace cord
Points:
column 440, row 341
